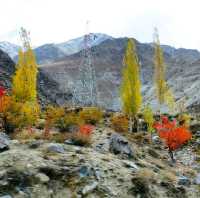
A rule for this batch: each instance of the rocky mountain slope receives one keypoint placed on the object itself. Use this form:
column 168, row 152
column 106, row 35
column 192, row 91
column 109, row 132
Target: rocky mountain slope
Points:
column 182, row 67
column 114, row 166
column 7, row 68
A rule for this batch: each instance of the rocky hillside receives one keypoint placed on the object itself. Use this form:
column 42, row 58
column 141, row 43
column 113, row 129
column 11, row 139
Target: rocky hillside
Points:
column 113, row 166
column 182, row 71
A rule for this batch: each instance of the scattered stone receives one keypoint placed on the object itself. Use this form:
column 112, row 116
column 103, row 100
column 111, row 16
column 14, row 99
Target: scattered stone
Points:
column 156, row 139
column 57, row 148
column 153, row 153
column 6, row 196
column 4, row 142
column 89, row 188
column 197, row 179
column 140, row 187
column 42, row 178
column 84, row 171
column 197, row 134
column 14, row 142
column 183, row 180
column 73, row 129
column 120, row 145
column 70, row 142
column 35, row 144
column 2, row 173
column 131, row 165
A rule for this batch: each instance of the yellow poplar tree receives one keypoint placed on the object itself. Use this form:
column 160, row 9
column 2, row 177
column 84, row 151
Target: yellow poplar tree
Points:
column 164, row 93
column 130, row 92
column 159, row 69
column 24, row 87
column 170, row 101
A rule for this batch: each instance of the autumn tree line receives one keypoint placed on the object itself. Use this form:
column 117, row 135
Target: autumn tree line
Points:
column 130, row 91
column 20, row 109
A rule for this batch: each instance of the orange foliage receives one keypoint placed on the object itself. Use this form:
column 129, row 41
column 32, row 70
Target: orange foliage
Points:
column 173, row 136
column 4, row 103
column 120, row 123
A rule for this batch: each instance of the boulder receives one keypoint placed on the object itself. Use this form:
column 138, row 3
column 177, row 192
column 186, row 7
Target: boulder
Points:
column 35, row 144
column 89, row 188
column 42, row 178
column 120, row 145
column 197, row 179
column 183, row 180
column 56, row 148
column 6, row 196
column 131, row 165
column 4, row 142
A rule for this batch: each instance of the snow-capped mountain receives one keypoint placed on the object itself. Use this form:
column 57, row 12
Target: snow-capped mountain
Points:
column 77, row 44
column 51, row 52
column 10, row 48
column 48, row 53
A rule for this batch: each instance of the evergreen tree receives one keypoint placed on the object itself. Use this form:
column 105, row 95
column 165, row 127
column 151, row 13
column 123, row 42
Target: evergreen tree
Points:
column 130, row 87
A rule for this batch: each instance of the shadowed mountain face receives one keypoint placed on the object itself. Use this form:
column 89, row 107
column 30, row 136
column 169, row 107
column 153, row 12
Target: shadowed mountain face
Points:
column 48, row 89
column 182, row 66
column 7, row 68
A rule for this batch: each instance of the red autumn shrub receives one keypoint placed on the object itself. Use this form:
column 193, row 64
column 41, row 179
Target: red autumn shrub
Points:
column 86, row 129
column 2, row 91
column 173, row 136
column 83, row 136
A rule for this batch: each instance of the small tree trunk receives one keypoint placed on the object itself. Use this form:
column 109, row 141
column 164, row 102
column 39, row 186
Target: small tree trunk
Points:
column 47, row 129
column 172, row 156
column 136, row 126
column 130, row 124
column 30, row 130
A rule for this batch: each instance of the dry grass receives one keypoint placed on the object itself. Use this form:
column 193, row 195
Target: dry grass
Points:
column 26, row 134
column 81, row 139
column 168, row 176
column 91, row 115
column 120, row 123
column 59, row 137
column 147, row 174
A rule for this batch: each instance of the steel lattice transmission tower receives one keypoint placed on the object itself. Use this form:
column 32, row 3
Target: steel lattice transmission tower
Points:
column 88, row 85
column 25, row 38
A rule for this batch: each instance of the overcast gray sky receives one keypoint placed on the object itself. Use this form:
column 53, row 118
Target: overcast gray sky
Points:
column 61, row 20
